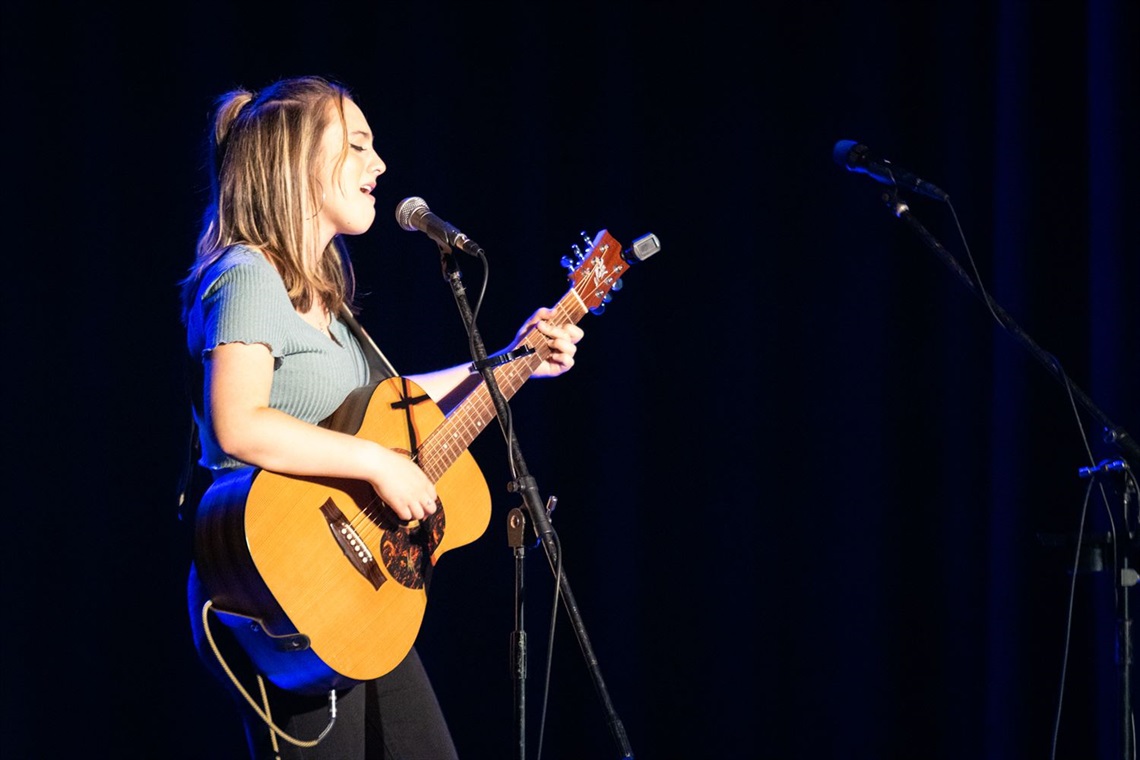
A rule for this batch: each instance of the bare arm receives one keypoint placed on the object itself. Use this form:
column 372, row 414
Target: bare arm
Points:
column 238, row 380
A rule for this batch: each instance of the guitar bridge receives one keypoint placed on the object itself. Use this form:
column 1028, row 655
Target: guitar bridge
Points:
column 352, row 544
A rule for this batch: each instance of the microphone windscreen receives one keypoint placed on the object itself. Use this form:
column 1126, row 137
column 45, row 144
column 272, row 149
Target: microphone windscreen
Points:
column 406, row 208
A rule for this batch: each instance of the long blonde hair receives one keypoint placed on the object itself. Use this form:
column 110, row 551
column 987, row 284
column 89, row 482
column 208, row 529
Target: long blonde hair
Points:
column 264, row 155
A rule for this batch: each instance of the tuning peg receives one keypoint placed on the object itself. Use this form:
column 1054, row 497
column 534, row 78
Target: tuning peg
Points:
column 587, row 238
column 598, row 310
column 572, row 259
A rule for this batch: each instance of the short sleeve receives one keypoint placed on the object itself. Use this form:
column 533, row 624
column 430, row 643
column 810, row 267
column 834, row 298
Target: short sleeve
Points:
column 245, row 302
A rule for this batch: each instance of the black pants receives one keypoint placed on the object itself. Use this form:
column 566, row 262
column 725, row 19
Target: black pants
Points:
column 394, row 717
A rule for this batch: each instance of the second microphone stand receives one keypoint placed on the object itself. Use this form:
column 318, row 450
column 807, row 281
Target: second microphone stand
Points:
column 1125, row 575
column 527, row 487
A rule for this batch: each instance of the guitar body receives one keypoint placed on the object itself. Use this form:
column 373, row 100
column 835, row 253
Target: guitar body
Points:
column 322, row 585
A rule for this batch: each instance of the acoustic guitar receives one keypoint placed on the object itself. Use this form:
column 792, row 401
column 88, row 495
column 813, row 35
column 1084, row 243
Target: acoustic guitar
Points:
column 322, row 585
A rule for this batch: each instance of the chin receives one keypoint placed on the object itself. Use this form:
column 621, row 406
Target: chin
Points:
column 361, row 225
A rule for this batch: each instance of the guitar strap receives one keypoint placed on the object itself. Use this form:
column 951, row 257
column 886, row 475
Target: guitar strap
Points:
column 379, row 368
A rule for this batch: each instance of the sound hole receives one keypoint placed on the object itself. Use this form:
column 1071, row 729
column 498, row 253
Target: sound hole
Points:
column 406, row 549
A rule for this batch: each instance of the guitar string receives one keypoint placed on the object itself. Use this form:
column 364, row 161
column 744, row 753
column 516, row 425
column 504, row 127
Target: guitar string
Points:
column 435, row 455
column 367, row 522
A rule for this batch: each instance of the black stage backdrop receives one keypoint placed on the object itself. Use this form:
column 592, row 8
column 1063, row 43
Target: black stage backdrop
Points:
column 804, row 477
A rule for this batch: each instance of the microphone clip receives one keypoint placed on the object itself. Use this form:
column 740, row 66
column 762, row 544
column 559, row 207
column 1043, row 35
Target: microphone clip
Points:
column 1103, row 467
column 503, row 358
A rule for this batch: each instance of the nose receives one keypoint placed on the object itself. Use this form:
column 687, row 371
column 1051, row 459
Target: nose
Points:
column 378, row 166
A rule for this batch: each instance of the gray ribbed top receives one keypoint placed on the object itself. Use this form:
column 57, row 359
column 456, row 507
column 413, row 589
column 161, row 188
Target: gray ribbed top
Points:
column 242, row 299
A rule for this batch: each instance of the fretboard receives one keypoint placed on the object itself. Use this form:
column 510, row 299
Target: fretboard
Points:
column 471, row 415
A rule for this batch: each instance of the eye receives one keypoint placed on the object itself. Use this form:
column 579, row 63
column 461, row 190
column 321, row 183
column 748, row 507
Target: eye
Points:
column 358, row 148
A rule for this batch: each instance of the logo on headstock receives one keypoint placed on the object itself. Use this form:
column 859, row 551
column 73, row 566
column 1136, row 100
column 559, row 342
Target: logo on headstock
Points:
column 598, row 265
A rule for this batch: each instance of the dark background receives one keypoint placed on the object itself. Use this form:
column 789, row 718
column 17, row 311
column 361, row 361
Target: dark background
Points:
column 802, row 473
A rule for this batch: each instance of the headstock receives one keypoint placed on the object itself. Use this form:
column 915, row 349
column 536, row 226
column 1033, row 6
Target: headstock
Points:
column 597, row 272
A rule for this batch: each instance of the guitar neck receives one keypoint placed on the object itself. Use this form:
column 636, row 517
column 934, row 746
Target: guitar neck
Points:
column 471, row 415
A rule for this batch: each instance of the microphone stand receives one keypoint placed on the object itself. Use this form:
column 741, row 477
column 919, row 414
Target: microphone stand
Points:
column 1126, row 576
column 527, row 486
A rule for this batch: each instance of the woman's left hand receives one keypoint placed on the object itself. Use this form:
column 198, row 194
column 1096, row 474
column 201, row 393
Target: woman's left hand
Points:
column 562, row 341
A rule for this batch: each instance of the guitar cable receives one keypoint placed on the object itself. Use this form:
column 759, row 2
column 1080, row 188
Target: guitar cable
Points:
column 275, row 730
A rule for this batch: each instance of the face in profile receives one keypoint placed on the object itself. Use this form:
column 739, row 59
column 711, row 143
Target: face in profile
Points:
column 348, row 207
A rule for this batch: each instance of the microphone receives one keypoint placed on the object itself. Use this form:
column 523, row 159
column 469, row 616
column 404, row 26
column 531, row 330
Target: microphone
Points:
column 855, row 157
column 413, row 214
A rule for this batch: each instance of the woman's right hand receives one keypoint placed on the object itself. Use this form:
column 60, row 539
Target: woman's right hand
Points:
column 403, row 486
